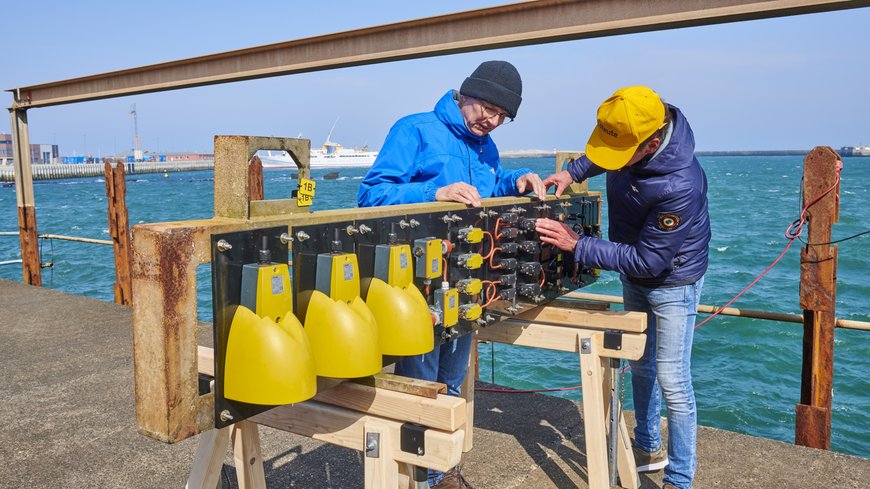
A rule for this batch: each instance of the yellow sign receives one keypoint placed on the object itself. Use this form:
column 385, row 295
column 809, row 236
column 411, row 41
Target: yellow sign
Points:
column 305, row 195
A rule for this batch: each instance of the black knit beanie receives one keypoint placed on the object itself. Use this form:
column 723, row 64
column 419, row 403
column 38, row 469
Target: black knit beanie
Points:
column 496, row 82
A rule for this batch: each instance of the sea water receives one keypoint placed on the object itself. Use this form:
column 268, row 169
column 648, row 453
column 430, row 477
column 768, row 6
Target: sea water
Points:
column 746, row 371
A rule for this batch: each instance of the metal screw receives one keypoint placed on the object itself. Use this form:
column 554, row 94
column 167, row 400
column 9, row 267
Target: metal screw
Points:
column 302, row 236
column 404, row 224
column 371, row 445
column 566, row 203
column 414, row 223
column 286, row 238
column 223, row 246
column 420, row 451
column 226, row 416
column 350, row 230
column 364, row 229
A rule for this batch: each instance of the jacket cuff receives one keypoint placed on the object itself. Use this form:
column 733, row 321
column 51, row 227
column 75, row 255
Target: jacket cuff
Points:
column 574, row 169
column 429, row 191
column 578, row 249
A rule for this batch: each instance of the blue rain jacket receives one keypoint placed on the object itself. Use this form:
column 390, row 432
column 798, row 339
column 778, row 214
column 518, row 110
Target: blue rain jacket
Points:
column 424, row 152
column 659, row 225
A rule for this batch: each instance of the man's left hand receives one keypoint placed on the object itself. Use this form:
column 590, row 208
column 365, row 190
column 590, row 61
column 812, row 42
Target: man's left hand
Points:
column 557, row 234
column 531, row 181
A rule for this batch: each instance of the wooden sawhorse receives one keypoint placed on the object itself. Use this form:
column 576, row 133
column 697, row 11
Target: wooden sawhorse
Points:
column 583, row 332
column 370, row 417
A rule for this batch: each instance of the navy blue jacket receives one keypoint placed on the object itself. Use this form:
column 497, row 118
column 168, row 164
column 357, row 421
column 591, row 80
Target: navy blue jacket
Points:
column 424, row 152
column 659, row 224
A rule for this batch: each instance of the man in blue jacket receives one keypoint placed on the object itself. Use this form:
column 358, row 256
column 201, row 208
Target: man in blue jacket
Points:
column 448, row 155
column 659, row 231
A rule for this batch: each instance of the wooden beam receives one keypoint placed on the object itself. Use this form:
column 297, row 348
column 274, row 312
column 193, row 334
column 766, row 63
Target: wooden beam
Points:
column 818, row 287
column 397, row 383
column 247, row 455
column 119, row 230
column 620, row 320
column 27, row 232
column 517, row 24
column 558, row 338
column 346, row 428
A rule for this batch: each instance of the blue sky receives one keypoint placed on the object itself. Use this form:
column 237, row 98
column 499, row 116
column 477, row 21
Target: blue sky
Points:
column 786, row 83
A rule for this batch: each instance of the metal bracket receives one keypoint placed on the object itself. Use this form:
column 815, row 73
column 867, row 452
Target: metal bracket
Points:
column 412, row 438
column 373, row 445
column 585, row 345
column 613, row 339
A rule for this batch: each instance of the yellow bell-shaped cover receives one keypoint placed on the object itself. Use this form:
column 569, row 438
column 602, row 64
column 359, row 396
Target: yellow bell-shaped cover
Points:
column 403, row 318
column 268, row 363
column 344, row 337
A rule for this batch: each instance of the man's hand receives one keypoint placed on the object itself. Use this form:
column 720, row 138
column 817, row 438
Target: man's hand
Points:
column 459, row 192
column 531, row 181
column 561, row 180
column 557, row 234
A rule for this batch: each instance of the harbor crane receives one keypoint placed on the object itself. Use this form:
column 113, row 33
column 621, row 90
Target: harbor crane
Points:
column 137, row 153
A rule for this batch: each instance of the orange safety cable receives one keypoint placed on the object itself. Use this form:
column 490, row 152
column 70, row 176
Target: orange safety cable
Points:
column 543, row 276
column 491, row 256
column 444, row 260
column 491, row 245
column 495, row 230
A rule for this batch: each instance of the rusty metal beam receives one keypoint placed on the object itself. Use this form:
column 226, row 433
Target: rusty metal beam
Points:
column 517, row 24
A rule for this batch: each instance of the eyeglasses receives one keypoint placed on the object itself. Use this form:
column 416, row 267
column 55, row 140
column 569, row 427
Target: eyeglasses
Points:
column 490, row 111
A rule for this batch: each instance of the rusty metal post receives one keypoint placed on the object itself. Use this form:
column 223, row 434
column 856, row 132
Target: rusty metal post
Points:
column 116, row 196
column 255, row 179
column 28, row 236
column 818, row 300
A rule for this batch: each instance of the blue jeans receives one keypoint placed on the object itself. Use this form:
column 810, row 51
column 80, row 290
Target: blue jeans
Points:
column 665, row 370
column 448, row 364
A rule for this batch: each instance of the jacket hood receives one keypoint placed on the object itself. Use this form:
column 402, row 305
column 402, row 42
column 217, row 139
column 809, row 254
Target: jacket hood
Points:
column 447, row 111
column 677, row 155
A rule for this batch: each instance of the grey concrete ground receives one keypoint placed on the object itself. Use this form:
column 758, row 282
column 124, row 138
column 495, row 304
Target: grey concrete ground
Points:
column 66, row 398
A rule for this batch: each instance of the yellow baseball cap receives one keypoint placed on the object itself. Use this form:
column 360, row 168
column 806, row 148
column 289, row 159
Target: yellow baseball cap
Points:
column 625, row 120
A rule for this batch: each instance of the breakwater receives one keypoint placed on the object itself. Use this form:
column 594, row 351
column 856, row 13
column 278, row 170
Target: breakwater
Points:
column 57, row 171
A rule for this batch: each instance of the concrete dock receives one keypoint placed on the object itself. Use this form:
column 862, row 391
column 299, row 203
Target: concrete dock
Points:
column 66, row 386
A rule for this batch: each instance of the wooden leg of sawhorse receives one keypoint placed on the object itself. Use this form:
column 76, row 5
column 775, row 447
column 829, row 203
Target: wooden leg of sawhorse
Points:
column 247, row 455
column 381, row 470
column 209, row 459
column 596, row 401
column 467, row 393
column 625, row 464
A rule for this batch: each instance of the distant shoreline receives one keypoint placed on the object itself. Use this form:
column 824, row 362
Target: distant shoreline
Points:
column 533, row 153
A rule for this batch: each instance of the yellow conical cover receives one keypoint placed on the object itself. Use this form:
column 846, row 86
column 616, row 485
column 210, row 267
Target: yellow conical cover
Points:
column 344, row 338
column 403, row 318
column 268, row 363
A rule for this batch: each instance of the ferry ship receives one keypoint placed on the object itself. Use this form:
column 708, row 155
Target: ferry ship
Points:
column 330, row 155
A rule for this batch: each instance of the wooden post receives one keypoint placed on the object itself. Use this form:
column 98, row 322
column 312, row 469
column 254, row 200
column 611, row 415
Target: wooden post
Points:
column 119, row 230
column 28, row 236
column 818, row 299
column 255, row 179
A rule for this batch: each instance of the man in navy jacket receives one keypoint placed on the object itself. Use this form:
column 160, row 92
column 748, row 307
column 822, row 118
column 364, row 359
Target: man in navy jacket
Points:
column 659, row 231
column 448, row 155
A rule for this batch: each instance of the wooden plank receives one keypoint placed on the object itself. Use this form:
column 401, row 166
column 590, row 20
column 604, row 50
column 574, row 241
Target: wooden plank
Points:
column 580, row 304
column 559, row 338
column 209, row 458
column 446, row 413
column 346, row 428
column 119, row 230
column 248, row 456
column 397, row 383
column 563, row 316
column 381, row 471
column 594, row 420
